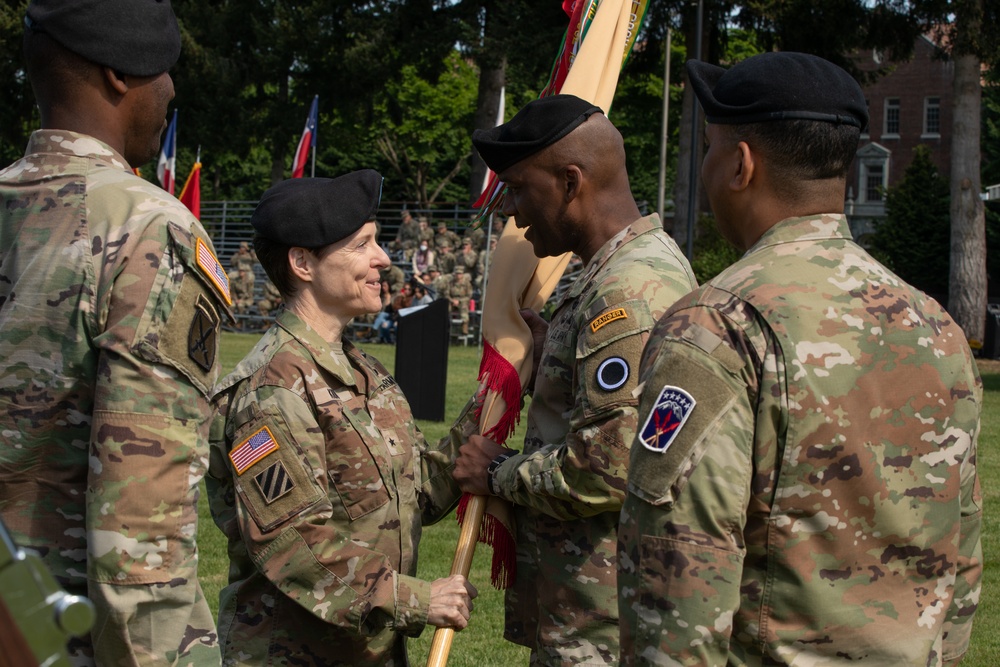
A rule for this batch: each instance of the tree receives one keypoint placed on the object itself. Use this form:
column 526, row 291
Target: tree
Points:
column 970, row 29
column 427, row 146
column 912, row 237
column 17, row 113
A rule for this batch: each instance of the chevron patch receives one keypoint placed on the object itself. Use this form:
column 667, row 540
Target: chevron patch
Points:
column 274, row 482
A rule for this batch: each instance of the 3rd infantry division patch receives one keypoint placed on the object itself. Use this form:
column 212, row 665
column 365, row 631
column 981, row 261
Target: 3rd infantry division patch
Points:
column 274, row 482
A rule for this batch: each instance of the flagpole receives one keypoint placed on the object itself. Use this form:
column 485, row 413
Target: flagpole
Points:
column 661, row 199
column 315, row 139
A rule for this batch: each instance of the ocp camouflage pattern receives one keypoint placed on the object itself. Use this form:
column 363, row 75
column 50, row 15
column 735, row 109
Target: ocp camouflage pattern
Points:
column 820, row 506
column 323, row 563
column 568, row 484
column 108, row 341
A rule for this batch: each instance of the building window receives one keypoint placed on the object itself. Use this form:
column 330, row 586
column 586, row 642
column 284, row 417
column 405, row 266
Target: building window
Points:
column 892, row 116
column 874, row 182
column 932, row 116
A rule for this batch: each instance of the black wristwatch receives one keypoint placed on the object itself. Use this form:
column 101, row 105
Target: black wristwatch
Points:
column 491, row 471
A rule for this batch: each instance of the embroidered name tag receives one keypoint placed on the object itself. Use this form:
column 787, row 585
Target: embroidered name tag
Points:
column 610, row 316
column 260, row 444
column 666, row 418
column 210, row 266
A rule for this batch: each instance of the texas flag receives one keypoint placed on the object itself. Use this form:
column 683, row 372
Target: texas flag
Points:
column 166, row 168
column 307, row 142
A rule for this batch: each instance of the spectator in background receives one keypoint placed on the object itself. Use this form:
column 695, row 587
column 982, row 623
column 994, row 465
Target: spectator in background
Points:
column 423, row 258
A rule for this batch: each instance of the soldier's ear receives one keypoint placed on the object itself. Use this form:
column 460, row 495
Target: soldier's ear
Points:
column 300, row 262
column 115, row 79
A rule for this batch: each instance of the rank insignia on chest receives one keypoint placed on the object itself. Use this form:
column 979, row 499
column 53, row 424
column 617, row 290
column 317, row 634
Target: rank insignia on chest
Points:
column 274, row 482
column 260, row 444
column 666, row 418
column 213, row 270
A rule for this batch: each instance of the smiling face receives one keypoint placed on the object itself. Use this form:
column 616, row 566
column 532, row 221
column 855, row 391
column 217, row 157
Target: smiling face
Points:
column 534, row 196
column 346, row 280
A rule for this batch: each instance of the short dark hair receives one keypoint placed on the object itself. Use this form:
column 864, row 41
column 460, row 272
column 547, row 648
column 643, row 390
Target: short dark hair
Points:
column 273, row 257
column 801, row 150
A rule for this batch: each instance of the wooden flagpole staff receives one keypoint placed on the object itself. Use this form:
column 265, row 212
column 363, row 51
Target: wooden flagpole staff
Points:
column 462, row 564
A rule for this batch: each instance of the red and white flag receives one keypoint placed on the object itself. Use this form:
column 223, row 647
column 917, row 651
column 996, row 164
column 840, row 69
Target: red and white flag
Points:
column 308, row 141
column 166, row 167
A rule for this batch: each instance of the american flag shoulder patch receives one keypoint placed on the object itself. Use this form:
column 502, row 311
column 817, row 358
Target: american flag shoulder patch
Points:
column 261, row 443
column 210, row 266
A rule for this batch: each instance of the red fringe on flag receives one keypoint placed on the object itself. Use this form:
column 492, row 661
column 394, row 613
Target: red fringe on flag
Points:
column 498, row 537
column 501, row 377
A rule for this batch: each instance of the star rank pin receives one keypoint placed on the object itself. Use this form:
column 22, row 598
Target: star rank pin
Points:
column 666, row 418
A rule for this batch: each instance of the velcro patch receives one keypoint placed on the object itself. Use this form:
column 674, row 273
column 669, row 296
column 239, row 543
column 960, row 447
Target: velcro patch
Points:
column 666, row 418
column 203, row 334
column 612, row 373
column 610, row 316
column 274, row 482
column 261, row 443
column 213, row 270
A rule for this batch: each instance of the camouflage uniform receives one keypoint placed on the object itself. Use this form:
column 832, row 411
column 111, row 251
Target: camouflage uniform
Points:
column 323, row 529
column 818, row 503
column 110, row 304
column 460, row 293
column 393, row 275
column 569, row 482
column 445, row 237
column 469, row 258
column 272, row 299
column 445, row 260
column 242, row 278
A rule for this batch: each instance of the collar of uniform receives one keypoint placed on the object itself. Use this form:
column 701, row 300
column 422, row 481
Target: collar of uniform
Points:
column 73, row 143
column 824, row 226
column 333, row 361
column 639, row 227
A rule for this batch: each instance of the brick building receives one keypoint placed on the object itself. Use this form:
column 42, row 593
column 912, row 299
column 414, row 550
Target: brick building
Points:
column 909, row 106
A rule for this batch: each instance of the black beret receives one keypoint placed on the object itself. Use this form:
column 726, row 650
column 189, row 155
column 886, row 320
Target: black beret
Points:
column 315, row 212
column 135, row 37
column 778, row 86
column 539, row 124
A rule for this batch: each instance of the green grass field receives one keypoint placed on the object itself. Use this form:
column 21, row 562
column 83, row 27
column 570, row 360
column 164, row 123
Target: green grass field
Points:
column 481, row 644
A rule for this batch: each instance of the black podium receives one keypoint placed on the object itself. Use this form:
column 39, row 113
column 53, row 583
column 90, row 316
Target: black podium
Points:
column 422, row 358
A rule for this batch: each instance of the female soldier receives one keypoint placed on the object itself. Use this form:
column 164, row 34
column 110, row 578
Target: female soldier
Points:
column 319, row 477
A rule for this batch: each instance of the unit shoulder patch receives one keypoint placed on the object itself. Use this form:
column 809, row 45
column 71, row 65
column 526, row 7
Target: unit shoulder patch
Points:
column 612, row 373
column 274, row 482
column 666, row 418
column 203, row 333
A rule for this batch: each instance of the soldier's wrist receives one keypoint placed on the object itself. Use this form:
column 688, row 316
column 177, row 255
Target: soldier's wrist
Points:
column 491, row 472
